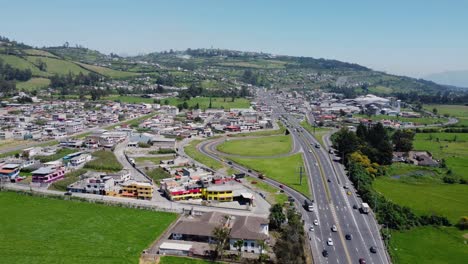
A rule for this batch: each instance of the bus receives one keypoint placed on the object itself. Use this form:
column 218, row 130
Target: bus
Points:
column 308, row 205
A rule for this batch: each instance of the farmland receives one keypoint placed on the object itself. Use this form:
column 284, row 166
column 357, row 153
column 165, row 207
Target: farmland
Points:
column 453, row 147
column 216, row 102
column 44, row 230
column 262, row 146
column 426, row 196
column 428, row 245
column 284, row 170
column 107, row 71
column 57, row 66
column 33, row 84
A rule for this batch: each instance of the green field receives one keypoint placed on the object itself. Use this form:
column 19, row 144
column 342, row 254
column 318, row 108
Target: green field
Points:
column 273, row 194
column 191, row 150
column 182, row 260
column 107, row 71
column 262, row 146
column 216, row 102
column 33, row 84
column 36, row 52
column 453, row 147
column 425, row 197
column 154, row 160
column 262, row 133
column 58, row 66
column 429, row 245
column 44, row 230
column 284, row 170
column 104, row 161
column 22, row 64
column 458, row 111
column 129, row 99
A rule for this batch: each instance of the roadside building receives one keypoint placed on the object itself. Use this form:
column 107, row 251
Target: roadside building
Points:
column 139, row 190
column 47, row 174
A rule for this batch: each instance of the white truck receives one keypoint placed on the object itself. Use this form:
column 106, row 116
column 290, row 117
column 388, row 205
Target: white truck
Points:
column 365, row 209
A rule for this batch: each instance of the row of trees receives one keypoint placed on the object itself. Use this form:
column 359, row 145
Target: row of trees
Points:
column 70, row 80
column 289, row 247
column 9, row 73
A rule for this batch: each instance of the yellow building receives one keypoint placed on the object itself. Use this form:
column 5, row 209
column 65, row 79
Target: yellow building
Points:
column 139, row 190
column 218, row 193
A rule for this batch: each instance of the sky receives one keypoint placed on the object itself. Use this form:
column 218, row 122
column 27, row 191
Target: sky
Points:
column 411, row 37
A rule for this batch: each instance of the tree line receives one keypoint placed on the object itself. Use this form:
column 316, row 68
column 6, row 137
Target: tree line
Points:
column 9, row 75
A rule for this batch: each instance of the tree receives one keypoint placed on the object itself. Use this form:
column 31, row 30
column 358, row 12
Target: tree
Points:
column 41, row 65
column 238, row 244
column 289, row 248
column 221, row 234
column 403, row 140
column 210, row 106
column 463, row 223
column 434, row 111
column 276, row 217
column 345, row 142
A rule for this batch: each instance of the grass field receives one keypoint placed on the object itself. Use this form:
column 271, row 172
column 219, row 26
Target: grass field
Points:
column 273, row 195
column 58, row 66
column 192, row 151
column 44, row 230
column 107, row 71
column 429, row 245
column 36, row 52
column 154, row 160
column 458, row 111
column 129, row 99
column 182, row 260
column 284, row 170
column 33, row 84
column 262, row 146
column 449, row 200
column 216, row 102
column 403, row 169
column 453, row 147
column 104, row 161
column 262, row 133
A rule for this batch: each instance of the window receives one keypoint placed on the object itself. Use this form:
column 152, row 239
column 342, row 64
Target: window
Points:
column 245, row 244
column 252, row 244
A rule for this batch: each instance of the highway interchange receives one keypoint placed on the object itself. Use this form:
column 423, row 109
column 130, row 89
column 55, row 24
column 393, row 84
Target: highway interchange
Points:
column 333, row 206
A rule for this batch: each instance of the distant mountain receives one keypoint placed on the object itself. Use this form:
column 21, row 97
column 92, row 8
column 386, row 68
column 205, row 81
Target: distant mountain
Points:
column 454, row 78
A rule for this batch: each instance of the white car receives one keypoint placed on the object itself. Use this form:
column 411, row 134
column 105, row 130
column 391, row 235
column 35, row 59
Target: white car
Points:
column 311, row 228
column 334, row 228
column 330, row 242
column 316, row 222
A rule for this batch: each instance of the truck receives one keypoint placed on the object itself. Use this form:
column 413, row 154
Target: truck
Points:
column 365, row 208
column 308, row 205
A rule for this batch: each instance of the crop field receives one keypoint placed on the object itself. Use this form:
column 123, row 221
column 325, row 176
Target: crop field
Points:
column 22, row 64
column 45, row 230
column 284, row 170
column 426, row 197
column 429, row 245
column 57, row 66
column 33, row 84
column 453, row 147
column 262, row 146
column 107, row 71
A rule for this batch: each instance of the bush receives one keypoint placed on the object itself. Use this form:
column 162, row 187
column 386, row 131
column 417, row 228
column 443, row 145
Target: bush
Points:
column 463, row 223
column 162, row 151
column 104, row 161
column 143, row 145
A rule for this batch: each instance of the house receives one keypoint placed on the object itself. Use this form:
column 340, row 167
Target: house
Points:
column 422, row 158
column 9, row 170
column 80, row 159
column 175, row 249
column 250, row 229
column 47, row 174
column 218, row 193
column 135, row 189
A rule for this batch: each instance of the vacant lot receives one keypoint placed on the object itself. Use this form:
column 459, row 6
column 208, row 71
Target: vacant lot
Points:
column 428, row 245
column 154, row 160
column 453, row 147
column 104, row 161
column 425, row 197
column 262, row 146
column 43, row 230
column 284, row 170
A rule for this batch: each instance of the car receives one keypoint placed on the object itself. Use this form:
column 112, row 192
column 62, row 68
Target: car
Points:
column 345, row 186
column 362, row 261
column 325, row 253
column 317, row 145
column 316, row 222
column 330, row 241
column 348, row 193
column 262, row 195
column 316, row 164
column 333, row 228
column 348, row 237
column 310, row 151
column 373, row 249
column 328, row 180
column 249, row 171
column 290, row 199
column 230, row 162
column 68, row 193
column 281, row 186
column 311, row 228
column 355, row 206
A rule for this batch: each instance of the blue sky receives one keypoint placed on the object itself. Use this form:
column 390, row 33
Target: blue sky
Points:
column 411, row 37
